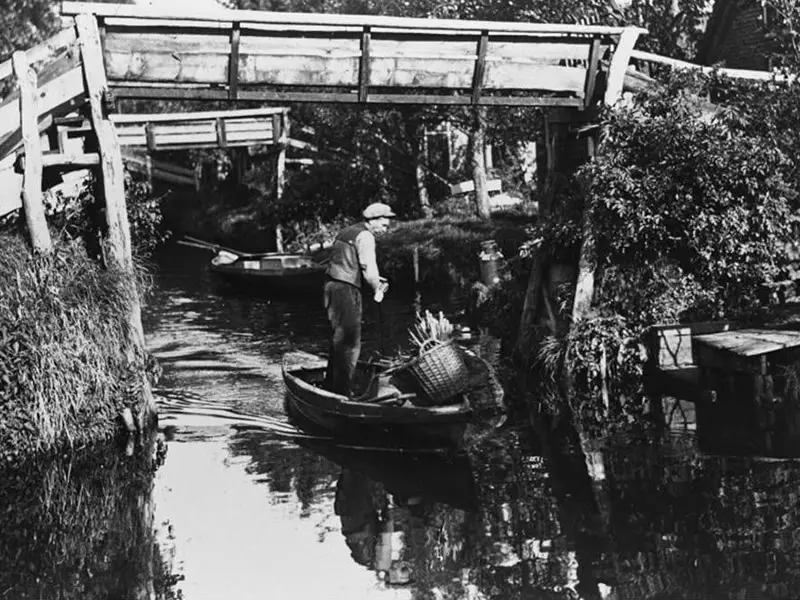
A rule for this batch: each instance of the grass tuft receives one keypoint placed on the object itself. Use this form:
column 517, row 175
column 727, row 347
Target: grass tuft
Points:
column 64, row 349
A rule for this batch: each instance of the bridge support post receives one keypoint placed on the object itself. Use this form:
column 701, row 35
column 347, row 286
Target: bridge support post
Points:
column 587, row 264
column 112, row 179
column 280, row 170
column 565, row 152
column 32, row 177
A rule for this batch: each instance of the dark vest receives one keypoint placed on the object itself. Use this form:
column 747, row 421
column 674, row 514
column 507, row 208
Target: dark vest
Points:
column 344, row 265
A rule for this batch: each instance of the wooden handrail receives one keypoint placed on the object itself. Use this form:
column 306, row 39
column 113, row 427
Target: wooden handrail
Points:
column 195, row 116
column 63, row 38
column 222, row 15
column 735, row 73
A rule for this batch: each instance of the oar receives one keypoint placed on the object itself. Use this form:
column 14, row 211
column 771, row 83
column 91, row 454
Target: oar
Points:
column 197, row 243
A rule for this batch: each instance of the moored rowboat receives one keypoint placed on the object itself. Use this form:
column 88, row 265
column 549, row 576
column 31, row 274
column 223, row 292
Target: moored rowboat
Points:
column 273, row 270
column 265, row 271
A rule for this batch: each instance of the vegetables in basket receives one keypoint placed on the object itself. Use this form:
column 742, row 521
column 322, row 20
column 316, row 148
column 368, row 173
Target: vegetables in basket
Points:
column 429, row 328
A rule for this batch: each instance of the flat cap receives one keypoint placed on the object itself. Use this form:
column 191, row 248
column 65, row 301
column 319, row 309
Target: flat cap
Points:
column 376, row 210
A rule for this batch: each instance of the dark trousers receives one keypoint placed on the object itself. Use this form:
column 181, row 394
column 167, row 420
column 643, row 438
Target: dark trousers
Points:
column 343, row 304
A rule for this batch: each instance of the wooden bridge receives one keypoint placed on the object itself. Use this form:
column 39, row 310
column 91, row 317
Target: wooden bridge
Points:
column 126, row 51
column 282, row 57
column 263, row 56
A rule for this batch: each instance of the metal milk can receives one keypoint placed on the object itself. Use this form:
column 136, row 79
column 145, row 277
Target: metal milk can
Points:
column 490, row 260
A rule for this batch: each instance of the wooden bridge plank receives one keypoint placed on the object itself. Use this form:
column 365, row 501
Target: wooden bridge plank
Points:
column 196, row 115
column 311, row 61
column 210, row 93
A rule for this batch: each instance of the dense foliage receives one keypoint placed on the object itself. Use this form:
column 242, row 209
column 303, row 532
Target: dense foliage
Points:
column 692, row 209
column 691, row 212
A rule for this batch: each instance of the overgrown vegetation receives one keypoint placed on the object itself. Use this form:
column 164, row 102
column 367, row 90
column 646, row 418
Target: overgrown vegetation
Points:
column 67, row 367
column 64, row 354
column 692, row 209
column 447, row 247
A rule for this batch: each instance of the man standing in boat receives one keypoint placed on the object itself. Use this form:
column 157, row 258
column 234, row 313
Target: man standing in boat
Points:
column 352, row 263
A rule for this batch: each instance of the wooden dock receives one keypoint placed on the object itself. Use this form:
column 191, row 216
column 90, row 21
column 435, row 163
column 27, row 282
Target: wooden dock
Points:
column 744, row 383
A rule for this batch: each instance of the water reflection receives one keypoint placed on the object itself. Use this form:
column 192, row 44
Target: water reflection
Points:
column 81, row 526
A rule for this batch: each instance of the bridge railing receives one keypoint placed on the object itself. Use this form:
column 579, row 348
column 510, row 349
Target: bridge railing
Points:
column 206, row 129
column 267, row 56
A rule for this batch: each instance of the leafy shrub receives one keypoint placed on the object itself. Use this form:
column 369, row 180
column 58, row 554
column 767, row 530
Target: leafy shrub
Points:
column 605, row 364
column 691, row 210
column 144, row 216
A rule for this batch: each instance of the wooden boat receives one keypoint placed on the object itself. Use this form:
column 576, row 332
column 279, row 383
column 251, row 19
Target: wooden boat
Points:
column 267, row 271
column 389, row 412
column 272, row 270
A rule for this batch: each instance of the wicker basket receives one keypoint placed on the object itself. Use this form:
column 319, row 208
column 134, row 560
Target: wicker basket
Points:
column 440, row 371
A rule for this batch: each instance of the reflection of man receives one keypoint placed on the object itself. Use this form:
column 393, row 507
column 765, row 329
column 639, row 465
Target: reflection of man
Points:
column 368, row 527
column 355, row 502
column 351, row 264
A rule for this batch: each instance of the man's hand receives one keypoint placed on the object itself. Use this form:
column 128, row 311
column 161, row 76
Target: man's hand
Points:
column 383, row 287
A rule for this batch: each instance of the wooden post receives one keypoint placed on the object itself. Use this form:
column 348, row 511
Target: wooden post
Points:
column 198, row 175
column 478, row 158
column 619, row 64
column 148, row 165
column 280, row 175
column 113, row 176
column 32, row 177
column 584, row 288
column 416, row 131
column 113, row 184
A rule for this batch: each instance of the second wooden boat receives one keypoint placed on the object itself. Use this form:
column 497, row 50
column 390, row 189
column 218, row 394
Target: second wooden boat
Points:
column 272, row 270
column 264, row 271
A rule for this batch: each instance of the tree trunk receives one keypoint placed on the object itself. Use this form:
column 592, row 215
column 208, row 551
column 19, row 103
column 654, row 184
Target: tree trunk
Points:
column 383, row 180
column 419, row 171
column 477, row 144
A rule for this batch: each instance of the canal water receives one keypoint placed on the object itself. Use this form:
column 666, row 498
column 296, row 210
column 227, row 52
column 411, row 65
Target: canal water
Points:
column 235, row 507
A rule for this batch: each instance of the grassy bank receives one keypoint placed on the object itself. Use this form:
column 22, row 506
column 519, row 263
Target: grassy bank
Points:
column 64, row 356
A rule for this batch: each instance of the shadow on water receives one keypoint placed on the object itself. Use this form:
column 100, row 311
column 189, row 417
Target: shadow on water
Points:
column 242, row 508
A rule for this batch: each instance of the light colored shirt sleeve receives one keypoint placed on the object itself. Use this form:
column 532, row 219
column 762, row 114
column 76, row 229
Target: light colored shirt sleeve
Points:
column 365, row 245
